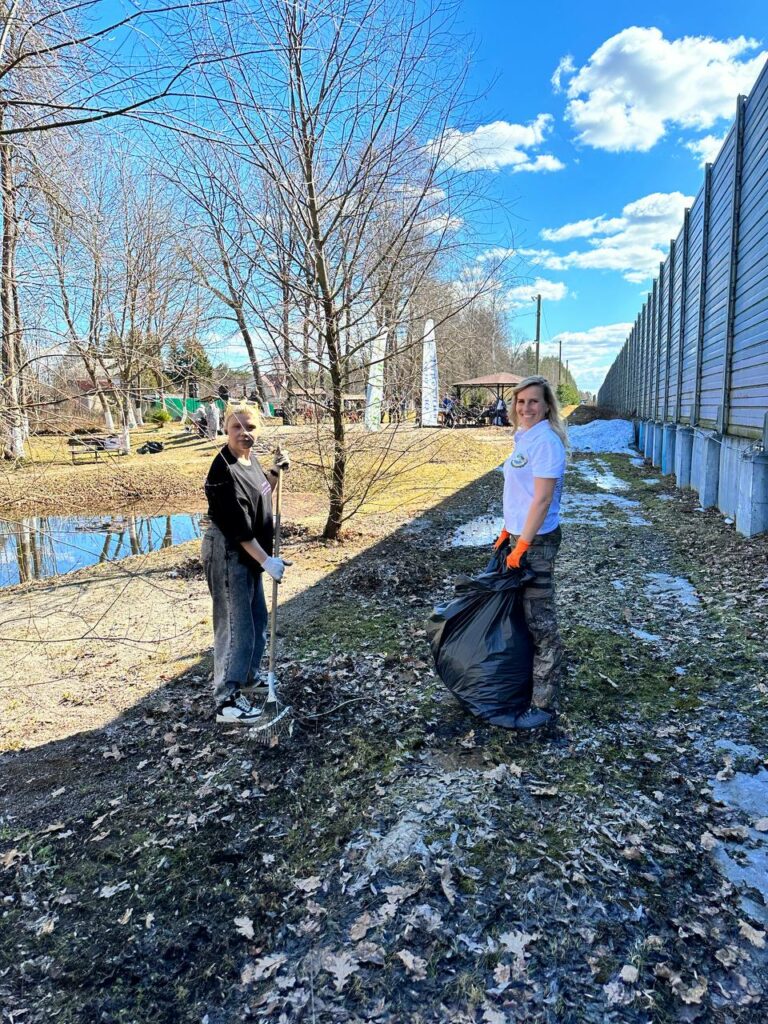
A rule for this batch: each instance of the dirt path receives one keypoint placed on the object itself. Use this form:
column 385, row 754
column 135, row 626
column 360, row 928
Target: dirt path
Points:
column 395, row 861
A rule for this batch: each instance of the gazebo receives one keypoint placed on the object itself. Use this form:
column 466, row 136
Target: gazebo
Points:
column 496, row 382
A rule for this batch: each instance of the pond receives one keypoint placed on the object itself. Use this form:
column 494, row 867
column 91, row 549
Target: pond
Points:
column 42, row 546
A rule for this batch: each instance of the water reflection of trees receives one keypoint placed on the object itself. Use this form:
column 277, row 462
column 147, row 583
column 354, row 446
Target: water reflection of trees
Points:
column 43, row 546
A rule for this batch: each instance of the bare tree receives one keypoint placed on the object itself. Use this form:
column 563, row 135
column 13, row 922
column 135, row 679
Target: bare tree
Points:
column 345, row 112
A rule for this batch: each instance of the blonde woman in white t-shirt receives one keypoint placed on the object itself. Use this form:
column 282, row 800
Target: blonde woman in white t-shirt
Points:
column 533, row 485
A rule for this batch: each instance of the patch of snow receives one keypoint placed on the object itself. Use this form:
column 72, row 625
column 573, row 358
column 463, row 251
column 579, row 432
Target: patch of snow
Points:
column 587, row 509
column 652, row 480
column 637, row 460
column 478, row 532
column 599, row 473
column 618, row 585
column 741, row 750
column 663, row 587
column 602, row 436
column 650, row 638
column 748, row 794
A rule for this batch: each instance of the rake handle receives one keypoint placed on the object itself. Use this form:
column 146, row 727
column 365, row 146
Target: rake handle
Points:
column 275, row 584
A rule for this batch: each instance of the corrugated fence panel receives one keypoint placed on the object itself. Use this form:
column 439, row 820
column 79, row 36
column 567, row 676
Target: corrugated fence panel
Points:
column 718, row 269
column 749, row 379
column 677, row 291
column 662, row 333
column 691, row 311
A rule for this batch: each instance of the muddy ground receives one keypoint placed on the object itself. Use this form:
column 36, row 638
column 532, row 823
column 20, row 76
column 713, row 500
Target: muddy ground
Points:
column 394, row 860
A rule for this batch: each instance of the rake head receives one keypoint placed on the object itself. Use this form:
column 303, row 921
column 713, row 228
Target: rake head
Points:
column 275, row 724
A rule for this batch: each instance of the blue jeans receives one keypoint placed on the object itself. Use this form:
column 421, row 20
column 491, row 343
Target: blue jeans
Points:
column 239, row 615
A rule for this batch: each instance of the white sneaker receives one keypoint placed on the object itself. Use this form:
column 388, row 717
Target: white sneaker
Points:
column 238, row 710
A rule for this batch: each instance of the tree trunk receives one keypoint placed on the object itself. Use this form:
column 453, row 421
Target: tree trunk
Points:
column 251, row 349
column 288, row 400
column 109, row 421
column 12, row 427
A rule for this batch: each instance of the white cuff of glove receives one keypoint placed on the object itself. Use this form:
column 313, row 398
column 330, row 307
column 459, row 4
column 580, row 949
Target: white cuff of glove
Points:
column 274, row 567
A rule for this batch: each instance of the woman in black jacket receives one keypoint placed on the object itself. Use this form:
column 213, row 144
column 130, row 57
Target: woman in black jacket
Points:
column 237, row 551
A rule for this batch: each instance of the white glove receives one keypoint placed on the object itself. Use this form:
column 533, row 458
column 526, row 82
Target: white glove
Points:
column 275, row 567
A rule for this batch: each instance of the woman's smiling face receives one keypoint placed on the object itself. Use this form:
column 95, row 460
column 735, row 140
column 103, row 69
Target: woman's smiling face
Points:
column 530, row 406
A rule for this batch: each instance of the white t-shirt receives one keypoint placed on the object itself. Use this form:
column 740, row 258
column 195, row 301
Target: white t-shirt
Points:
column 538, row 452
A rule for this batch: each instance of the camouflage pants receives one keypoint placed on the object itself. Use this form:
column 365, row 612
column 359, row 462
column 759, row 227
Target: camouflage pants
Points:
column 540, row 615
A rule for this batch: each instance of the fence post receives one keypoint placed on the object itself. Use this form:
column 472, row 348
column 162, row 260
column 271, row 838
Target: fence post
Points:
column 681, row 328
column 738, row 161
column 670, row 297
column 696, row 404
column 659, row 303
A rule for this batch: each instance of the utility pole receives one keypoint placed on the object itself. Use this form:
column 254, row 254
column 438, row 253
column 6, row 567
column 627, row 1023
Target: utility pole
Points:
column 538, row 330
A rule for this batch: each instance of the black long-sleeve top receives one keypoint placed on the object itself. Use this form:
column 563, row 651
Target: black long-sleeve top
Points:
column 240, row 503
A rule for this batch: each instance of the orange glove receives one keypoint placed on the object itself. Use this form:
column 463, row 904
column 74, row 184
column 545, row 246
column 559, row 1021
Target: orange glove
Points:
column 516, row 554
column 503, row 537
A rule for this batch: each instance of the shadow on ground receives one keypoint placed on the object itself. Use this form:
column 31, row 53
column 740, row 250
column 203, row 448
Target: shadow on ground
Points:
column 395, row 860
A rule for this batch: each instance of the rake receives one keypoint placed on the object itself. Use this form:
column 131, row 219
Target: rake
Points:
column 276, row 720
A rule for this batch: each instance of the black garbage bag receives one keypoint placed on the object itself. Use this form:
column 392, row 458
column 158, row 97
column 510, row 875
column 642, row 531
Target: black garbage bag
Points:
column 481, row 645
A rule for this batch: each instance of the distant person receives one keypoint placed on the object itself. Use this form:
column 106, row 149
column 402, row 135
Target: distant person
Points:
column 237, row 551
column 533, row 485
column 500, row 416
column 213, row 419
column 200, row 421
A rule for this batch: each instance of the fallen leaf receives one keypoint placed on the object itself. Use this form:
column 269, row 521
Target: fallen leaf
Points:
column 753, row 935
column 544, row 790
column 415, row 966
column 114, row 752
column 126, row 917
column 369, row 953
column 695, row 993
column 446, row 882
column 762, row 825
column 244, row 925
column 311, row 884
column 493, row 1016
column 106, row 892
column 728, row 956
column 9, row 858
column 264, row 967
column 629, row 974
column 631, row 853
column 342, row 966
column 708, row 841
column 361, row 926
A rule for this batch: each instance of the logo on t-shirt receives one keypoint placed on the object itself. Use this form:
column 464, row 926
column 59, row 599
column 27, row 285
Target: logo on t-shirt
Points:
column 519, row 460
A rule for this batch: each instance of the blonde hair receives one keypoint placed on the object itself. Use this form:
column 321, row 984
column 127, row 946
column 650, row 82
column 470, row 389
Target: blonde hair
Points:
column 553, row 407
column 242, row 409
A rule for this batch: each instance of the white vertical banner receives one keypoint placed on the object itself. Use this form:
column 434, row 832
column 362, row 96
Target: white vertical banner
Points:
column 374, row 390
column 430, row 393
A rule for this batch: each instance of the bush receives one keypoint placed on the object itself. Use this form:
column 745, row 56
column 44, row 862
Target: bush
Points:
column 160, row 416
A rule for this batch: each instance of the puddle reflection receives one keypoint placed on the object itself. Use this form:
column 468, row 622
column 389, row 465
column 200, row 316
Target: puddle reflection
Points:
column 43, row 546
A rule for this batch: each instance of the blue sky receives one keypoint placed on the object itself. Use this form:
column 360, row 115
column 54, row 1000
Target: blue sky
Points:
column 599, row 169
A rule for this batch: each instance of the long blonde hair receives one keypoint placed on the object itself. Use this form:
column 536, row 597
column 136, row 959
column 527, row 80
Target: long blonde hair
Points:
column 550, row 399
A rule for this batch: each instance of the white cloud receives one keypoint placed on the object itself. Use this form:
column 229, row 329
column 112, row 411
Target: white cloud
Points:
column 565, row 68
column 501, row 144
column 583, row 229
column 637, row 84
column 633, row 244
column 591, row 352
column 707, row 147
column 524, row 294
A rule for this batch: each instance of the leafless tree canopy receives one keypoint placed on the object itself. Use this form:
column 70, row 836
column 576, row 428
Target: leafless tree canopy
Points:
column 276, row 175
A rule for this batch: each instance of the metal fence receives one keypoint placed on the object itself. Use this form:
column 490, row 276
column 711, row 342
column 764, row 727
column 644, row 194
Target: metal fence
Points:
column 698, row 351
